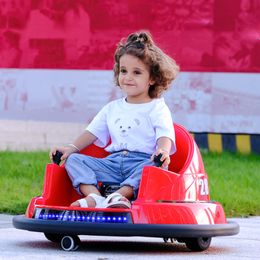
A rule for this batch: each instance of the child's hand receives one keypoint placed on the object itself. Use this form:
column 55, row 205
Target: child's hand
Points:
column 165, row 157
column 65, row 150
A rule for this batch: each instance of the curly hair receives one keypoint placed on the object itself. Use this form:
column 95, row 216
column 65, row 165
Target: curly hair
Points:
column 163, row 69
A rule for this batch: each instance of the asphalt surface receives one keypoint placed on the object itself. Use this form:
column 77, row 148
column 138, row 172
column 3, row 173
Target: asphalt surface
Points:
column 20, row 244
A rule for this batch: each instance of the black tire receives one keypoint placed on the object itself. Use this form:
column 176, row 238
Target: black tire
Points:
column 198, row 244
column 70, row 243
column 56, row 238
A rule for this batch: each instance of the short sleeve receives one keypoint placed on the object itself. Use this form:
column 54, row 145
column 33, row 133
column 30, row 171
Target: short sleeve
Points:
column 163, row 125
column 98, row 127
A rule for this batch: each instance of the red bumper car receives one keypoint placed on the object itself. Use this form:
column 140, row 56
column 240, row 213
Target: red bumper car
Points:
column 171, row 204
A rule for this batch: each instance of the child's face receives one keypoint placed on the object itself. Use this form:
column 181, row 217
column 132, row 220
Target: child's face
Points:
column 134, row 79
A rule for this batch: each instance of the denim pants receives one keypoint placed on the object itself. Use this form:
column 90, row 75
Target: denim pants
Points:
column 123, row 167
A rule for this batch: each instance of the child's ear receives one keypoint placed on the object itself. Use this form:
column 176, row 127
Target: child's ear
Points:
column 151, row 82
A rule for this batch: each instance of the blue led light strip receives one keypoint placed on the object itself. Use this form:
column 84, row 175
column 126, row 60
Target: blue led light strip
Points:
column 83, row 216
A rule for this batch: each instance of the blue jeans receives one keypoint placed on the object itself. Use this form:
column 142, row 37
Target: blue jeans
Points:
column 123, row 167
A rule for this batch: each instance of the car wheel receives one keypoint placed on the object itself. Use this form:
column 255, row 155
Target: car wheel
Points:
column 70, row 243
column 198, row 244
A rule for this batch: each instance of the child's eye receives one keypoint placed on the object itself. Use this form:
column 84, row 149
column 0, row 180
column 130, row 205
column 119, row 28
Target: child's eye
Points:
column 123, row 71
column 137, row 72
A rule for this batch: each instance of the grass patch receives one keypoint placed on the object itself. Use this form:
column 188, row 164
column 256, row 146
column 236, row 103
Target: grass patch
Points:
column 234, row 180
column 21, row 178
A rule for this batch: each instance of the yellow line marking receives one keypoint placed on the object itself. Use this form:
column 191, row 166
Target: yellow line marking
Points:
column 243, row 143
column 215, row 142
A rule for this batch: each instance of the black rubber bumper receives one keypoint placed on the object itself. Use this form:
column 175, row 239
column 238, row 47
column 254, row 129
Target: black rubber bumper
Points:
column 119, row 229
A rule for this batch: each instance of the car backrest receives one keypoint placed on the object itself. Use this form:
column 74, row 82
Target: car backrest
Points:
column 180, row 160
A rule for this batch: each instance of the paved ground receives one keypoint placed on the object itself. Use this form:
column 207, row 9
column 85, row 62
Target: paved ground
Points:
column 19, row 244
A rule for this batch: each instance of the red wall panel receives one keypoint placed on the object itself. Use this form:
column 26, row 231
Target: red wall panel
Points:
column 202, row 35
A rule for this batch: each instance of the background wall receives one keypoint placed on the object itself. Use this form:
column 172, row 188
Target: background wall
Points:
column 56, row 58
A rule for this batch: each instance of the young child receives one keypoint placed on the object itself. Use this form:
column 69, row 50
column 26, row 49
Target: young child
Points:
column 133, row 129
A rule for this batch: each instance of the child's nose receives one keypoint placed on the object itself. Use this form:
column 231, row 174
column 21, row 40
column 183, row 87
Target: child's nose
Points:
column 129, row 77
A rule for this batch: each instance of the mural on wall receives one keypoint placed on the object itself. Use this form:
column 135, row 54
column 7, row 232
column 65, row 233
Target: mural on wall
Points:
column 203, row 102
column 203, row 35
column 57, row 55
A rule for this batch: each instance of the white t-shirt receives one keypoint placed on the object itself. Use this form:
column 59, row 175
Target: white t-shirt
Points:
column 133, row 127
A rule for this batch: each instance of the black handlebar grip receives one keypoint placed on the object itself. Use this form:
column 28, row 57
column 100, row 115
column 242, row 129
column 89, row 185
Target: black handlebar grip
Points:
column 57, row 157
column 157, row 160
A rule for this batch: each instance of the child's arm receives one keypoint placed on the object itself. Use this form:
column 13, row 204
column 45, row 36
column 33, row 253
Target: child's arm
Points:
column 163, row 147
column 84, row 140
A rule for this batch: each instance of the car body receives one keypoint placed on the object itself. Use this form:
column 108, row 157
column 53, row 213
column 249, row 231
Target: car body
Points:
column 171, row 204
